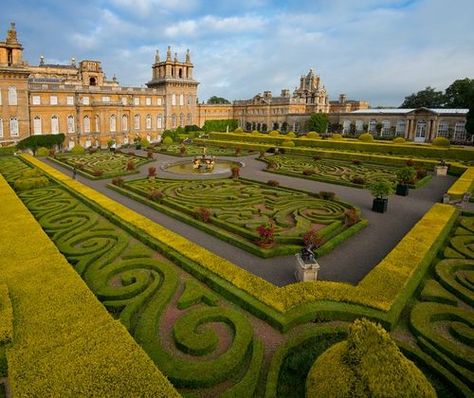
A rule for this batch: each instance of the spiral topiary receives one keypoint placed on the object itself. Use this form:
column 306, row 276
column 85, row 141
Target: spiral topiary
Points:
column 368, row 363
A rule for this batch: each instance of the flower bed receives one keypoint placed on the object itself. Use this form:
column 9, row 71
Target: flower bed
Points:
column 196, row 150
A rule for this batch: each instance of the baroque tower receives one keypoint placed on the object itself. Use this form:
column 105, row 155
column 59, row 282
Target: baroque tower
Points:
column 174, row 79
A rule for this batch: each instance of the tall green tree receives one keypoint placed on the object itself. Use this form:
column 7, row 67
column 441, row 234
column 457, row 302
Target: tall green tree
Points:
column 217, row 100
column 460, row 94
column 317, row 122
column 428, row 98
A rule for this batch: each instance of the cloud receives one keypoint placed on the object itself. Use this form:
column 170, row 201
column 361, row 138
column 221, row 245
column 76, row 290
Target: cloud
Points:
column 146, row 8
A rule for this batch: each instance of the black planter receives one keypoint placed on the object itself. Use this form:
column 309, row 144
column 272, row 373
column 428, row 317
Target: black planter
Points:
column 402, row 189
column 138, row 146
column 380, row 205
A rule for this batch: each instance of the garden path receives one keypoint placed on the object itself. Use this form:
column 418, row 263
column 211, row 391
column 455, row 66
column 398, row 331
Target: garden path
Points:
column 349, row 262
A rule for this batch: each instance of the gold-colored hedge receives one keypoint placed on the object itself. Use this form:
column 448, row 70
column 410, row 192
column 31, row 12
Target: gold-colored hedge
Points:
column 65, row 342
column 389, row 283
column 6, row 316
column 463, row 184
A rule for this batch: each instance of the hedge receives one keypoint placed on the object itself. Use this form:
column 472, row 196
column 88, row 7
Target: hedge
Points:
column 65, row 342
column 414, row 150
column 7, row 150
column 6, row 316
column 220, row 125
column 380, row 295
column 33, row 142
column 463, row 184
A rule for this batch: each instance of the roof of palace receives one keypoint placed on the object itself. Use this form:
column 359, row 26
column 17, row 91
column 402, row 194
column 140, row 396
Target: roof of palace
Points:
column 400, row 111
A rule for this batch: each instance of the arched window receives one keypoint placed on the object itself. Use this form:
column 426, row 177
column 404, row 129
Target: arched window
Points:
column 189, row 119
column 346, row 125
column 173, row 120
column 70, row 124
column 148, row 122
column 180, row 73
column 97, row 123
column 181, row 99
column 14, row 127
column 113, row 123
column 92, row 81
column 136, row 122
column 37, row 129
column 159, row 122
column 86, row 124
column 124, row 123
column 12, row 96
column 372, row 126
column 173, row 99
column 1, row 128
column 54, row 125
column 181, row 119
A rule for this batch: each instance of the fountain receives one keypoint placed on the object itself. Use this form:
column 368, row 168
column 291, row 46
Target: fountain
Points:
column 204, row 164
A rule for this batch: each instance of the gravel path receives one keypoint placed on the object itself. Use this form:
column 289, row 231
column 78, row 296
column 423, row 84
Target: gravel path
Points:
column 349, row 262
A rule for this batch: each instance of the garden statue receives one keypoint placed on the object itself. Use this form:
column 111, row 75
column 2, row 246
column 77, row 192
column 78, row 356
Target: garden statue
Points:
column 307, row 254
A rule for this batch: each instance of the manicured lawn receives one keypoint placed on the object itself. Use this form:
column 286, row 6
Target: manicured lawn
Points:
column 237, row 207
column 103, row 164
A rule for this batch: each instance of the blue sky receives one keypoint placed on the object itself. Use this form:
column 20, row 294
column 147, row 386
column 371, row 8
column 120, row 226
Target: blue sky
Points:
column 376, row 50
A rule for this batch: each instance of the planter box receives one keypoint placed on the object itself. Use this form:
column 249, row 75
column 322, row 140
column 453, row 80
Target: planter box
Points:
column 441, row 170
column 380, row 205
column 402, row 189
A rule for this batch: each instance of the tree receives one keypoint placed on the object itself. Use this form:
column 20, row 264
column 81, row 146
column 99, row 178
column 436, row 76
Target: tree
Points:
column 217, row 100
column 317, row 122
column 428, row 98
column 33, row 142
column 460, row 94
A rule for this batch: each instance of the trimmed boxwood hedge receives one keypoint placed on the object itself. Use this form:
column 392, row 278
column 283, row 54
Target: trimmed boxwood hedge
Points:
column 64, row 339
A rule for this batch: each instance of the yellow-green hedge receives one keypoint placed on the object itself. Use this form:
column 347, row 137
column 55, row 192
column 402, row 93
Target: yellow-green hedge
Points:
column 6, row 316
column 463, row 184
column 391, row 280
column 65, row 342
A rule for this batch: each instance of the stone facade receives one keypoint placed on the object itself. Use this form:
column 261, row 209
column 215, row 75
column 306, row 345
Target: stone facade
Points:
column 419, row 125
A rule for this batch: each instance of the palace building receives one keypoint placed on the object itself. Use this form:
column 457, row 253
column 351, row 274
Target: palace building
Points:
column 78, row 100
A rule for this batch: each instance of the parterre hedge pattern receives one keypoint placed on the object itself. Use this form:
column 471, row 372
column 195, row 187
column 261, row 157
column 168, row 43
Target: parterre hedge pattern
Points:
column 442, row 320
column 332, row 171
column 64, row 342
column 101, row 164
column 239, row 206
column 196, row 150
column 392, row 285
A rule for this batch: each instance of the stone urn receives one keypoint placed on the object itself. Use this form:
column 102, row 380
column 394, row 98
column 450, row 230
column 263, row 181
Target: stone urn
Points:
column 306, row 271
column 440, row 170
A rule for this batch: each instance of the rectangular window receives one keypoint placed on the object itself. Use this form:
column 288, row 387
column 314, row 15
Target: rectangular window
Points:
column 53, row 100
column 443, row 129
column 359, row 126
column 158, row 101
column 386, row 128
column 400, row 128
column 173, row 99
column 148, row 101
column 85, row 100
column 124, row 100
column 181, row 99
column 36, row 100
column 105, row 99
column 136, row 101
column 12, row 97
column 1, row 128
column 0, row 97
column 14, row 127
column 460, row 132
column 70, row 100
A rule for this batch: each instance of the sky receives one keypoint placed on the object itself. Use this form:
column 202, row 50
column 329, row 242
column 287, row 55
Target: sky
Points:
column 374, row 50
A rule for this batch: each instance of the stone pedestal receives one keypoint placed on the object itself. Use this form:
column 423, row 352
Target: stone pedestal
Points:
column 441, row 170
column 306, row 272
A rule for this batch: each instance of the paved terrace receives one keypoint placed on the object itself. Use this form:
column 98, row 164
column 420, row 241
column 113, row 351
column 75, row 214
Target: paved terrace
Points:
column 349, row 262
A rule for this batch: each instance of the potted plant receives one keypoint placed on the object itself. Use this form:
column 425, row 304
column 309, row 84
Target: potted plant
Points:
column 380, row 189
column 441, row 169
column 266, row 235
column 138, row 143
column 405, row 176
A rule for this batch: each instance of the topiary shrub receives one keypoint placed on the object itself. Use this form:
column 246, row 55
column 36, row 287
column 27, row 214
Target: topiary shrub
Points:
column 97, row 172
column 351, row 217
column 399, row 140
column 366, row 137
column 239, row 130
column 291, row 135
column 358, row 180
column 118, row 181
column 274, row 133
column 152, row 171
column 288, row 144
column 255, row 132
column 421, row 173
column 327, row 195
column 356, row 162
column 440, row 141
column 336, row 137
column 130, row 165
column 167, row 141
column 235, row 172
column 273, row 183
column 31, row 173
column 78, row 150
column 42, row 151
column 308, row 172
column 367, row 364
column 312, row 135
column 155, row 195
column 202, row 214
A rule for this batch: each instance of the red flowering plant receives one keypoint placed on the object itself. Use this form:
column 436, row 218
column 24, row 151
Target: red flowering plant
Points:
column 266, row 234
column 312, row 239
